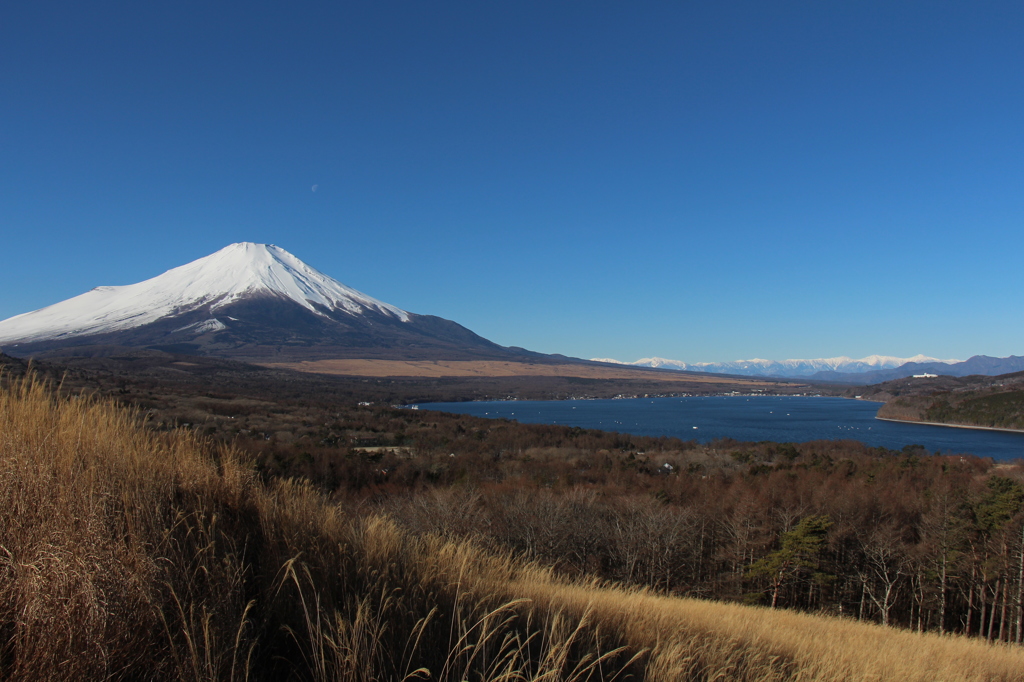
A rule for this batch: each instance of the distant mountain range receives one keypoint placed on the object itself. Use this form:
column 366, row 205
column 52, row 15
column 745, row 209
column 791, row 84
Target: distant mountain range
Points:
column 246, row 301
column 976, row 365
column 784, row 368
column 869, row 370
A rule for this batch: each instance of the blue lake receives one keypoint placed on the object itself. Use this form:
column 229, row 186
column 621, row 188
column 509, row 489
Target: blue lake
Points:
column 774, row 418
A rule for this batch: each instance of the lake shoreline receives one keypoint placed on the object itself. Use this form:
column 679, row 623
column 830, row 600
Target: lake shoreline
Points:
column 752, row 419
column 954, row 426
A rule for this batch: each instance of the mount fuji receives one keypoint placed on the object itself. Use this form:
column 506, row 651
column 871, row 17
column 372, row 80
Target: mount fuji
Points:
column 246, row 301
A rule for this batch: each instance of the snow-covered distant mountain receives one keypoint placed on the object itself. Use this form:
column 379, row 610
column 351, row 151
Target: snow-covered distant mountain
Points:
column 244, row 300
column 785, row 368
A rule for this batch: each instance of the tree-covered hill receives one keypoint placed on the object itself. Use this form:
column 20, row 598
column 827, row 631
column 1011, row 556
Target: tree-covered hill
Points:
column 978, row 401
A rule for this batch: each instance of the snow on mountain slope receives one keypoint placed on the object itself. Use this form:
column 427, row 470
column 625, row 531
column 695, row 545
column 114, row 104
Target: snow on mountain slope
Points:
column 235, row 272
column 784, row 368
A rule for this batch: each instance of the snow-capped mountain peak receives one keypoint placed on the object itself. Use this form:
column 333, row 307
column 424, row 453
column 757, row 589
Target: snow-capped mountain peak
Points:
column 247, row 268
column 234, row 273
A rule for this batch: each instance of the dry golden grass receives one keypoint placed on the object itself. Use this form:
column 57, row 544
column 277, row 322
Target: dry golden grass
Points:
column 730, row 641
column 127, row 555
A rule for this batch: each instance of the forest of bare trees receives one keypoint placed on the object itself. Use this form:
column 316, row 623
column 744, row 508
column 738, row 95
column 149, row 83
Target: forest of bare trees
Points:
column 922, row 543
column 906, row 538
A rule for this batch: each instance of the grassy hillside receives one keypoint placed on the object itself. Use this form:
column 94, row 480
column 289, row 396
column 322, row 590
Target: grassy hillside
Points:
column 126, row 554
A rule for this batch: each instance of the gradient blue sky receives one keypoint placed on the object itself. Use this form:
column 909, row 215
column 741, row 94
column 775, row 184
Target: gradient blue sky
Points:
column 698, row 181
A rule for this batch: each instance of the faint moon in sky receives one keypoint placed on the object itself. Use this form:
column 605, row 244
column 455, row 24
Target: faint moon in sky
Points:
column 314, row 187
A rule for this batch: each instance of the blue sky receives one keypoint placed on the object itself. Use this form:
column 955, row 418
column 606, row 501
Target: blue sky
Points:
column 698, row 181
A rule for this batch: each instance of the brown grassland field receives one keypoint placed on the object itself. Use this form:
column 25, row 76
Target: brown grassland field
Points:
column 128, row 553
column 496, row 368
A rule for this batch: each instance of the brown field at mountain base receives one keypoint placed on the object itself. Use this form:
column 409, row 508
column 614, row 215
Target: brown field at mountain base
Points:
column 495, row 368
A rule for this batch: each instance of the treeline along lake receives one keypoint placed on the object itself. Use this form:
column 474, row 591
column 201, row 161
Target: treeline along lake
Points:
column 783, row 419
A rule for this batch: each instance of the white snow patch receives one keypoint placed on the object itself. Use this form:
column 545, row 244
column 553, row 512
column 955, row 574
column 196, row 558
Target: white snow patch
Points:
column 211, row 325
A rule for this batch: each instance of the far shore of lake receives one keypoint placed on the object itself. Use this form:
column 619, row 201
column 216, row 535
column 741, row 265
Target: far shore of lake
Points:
column 955, row 426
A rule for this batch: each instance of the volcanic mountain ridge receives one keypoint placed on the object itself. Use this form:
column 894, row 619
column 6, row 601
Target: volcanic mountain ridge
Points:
column 254, row 302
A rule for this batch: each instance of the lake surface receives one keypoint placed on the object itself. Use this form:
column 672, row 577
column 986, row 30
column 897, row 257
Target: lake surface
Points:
column 754, row 418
